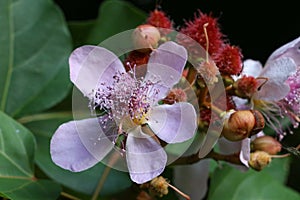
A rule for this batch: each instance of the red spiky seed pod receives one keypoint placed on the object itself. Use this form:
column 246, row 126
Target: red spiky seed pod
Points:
column 246, row 86
column 135, row 59
column 175, row 95
column 195, row 30
column 229, row 60
column 159, row 19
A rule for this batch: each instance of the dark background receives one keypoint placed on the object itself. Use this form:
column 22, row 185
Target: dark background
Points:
column 258, row 29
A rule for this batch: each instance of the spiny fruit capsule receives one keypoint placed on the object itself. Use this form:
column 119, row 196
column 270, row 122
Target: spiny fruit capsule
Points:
column 242, row 124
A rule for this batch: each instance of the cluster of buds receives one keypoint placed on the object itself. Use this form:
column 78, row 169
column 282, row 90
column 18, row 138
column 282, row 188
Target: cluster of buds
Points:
column 225, row 60
column 262, row 150
column 222, row 62
column 157, row 186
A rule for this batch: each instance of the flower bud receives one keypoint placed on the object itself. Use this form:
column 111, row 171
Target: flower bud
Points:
column 259, row 160
column 242, row 124
column 145, row 38
column 246, row 86
column 267, row 144
column 175, row 95
column 159, row 186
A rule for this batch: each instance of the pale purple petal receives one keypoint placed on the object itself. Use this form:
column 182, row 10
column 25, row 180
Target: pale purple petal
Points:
column 241, row 104
column 146, row 159
column 173, row 123
column 92, row 65
column 97, row 134
column 67, row 150
column 166, row 64
column 192, row 179
column 251, row 68
column 158, row 91
column 277, row 73
column 245, row 151
column 291, row 49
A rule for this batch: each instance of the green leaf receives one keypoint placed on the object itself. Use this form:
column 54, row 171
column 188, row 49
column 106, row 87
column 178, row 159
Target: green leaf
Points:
column 80, row 31
column 114, row 17
column 28, row 189
column 83, row 182
column 17, row 148
column 34, row 48
column 229, row 183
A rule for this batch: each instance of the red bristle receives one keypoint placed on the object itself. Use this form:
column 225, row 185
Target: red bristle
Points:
column 136, row 58
column 159, row 19
column 230, row 103
column 195, row 30
column 229, row 60
column 247, row 86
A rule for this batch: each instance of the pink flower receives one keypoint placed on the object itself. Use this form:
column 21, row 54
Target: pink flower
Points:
column 133, row 117
column 278, row 95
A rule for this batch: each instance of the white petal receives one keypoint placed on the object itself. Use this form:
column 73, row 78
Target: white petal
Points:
column 166, row 64
column 251, row 68
column 241, row 104
column 92, row 65
column 192, row 179
column 245, row 151
column 146, row 159
column 277, row 73
column 173, row 123
column 291, row 50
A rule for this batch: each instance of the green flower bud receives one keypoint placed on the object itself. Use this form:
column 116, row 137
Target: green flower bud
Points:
column 259, row 160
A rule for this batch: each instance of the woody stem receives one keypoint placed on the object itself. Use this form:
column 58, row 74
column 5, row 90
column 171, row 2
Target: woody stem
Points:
column 191, row 159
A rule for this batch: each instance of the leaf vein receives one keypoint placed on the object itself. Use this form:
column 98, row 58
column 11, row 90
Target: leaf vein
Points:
column 15, row 164
column 10, row 57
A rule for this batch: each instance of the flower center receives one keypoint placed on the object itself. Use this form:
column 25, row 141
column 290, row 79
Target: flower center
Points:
column 126, row 97
column 293, row 98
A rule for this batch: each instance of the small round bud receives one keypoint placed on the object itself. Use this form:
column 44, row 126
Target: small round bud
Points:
column 246, row 86
column 259, row 160
column 159, row 186
column 267, row 144
column 239, row 125
column 145, row 38
column 259, row 122
column 242, row 124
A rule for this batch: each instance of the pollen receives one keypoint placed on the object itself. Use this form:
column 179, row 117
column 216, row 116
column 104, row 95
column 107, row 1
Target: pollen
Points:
column 293, row 98
column 127, row 97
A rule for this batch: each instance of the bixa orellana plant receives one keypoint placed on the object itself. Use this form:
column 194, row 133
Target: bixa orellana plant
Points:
column 155, row 96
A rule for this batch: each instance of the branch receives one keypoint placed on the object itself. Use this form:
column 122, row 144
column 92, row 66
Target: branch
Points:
column 231, row 158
